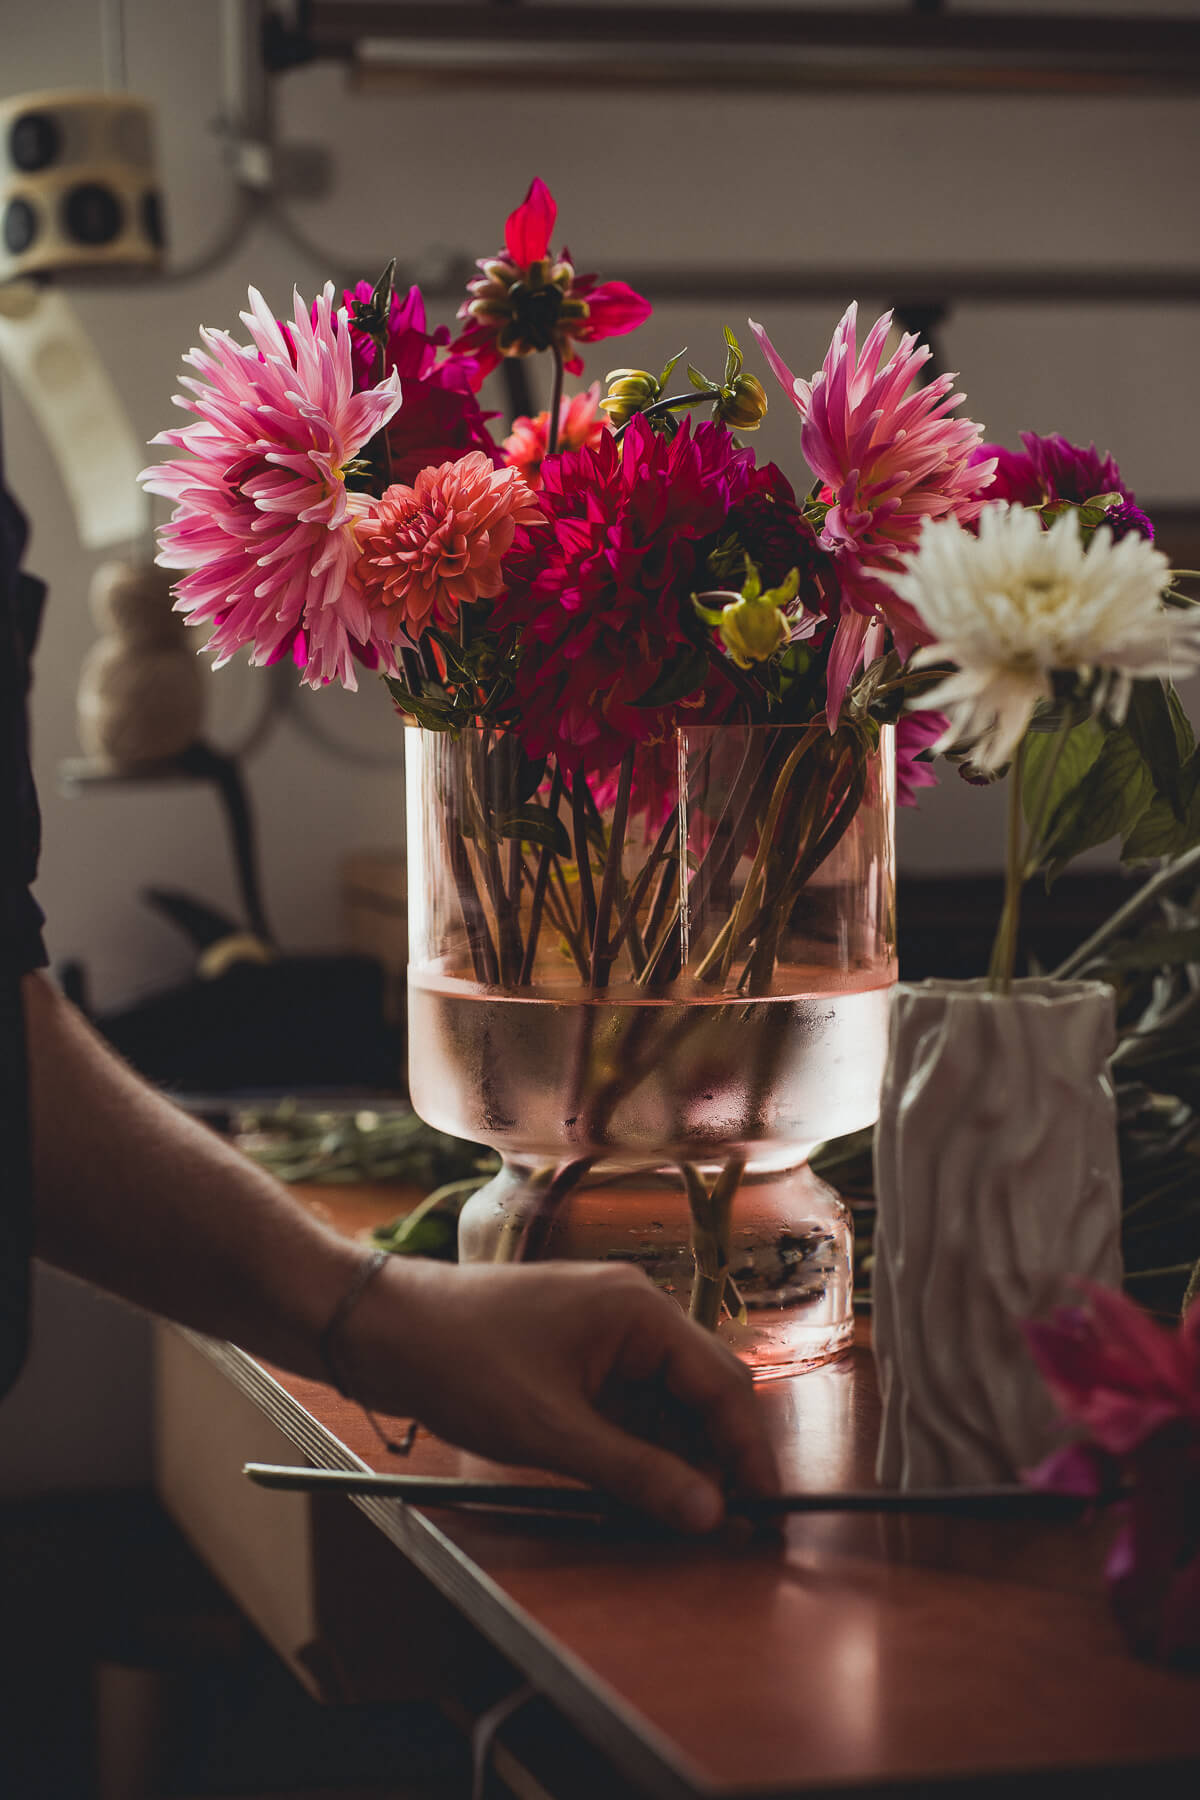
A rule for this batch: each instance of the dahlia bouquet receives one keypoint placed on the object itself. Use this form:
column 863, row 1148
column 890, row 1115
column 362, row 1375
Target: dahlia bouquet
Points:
column 572, row 600
column 609, row 569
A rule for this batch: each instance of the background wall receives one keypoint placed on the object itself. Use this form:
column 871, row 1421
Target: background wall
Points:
column 854, row 180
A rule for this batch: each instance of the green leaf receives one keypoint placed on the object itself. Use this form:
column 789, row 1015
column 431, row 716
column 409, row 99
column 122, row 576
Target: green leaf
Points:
column 1158, row 948
column 534, row 824
column 1152, row 727
column 1185, row 737
column 1107, row 803
column 1158, row 832
column 1076, row 754
column 431, row 711
column 701, row 382
column 678, row 679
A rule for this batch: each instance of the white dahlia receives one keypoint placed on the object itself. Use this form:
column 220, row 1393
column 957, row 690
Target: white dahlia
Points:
column 1013, row 604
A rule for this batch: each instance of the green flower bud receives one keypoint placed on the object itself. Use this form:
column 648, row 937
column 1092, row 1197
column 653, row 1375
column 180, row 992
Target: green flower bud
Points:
column 742, row 404
column 752, row 631
column 753, row 625
column 630, row 391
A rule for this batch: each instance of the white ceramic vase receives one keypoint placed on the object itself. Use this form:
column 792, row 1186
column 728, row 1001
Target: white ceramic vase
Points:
column 997, row 1180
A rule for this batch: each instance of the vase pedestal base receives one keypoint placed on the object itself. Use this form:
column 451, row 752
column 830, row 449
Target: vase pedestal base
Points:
column 788, row 1301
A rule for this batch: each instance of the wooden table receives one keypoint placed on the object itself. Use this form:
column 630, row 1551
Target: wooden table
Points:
column 854, row 1654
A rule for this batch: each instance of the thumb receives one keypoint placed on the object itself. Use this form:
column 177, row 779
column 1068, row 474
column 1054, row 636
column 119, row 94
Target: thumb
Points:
column 642, row 1476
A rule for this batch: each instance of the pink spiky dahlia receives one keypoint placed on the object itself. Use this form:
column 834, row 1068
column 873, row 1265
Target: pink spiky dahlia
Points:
column 438, row 545
column 263, row 521
column 891, row 458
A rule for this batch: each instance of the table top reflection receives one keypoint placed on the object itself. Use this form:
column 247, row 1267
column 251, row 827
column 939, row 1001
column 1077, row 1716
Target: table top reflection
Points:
column 847, row 1651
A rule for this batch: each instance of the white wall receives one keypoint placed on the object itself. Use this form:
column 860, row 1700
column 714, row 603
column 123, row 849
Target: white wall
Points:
column 849, row 179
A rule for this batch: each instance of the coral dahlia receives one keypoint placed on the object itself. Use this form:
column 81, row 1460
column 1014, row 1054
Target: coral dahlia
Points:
column 263, row 521
column 438, row 545
column 891, row 458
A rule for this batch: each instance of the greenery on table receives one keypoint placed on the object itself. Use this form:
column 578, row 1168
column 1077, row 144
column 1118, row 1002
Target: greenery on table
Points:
column 297, row 1144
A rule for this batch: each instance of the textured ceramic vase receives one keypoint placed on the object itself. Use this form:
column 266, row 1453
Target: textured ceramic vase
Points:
column 997, row 1181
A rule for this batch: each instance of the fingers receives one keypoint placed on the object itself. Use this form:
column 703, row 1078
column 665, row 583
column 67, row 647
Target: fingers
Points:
column 719, row 1390
column 642, row 1476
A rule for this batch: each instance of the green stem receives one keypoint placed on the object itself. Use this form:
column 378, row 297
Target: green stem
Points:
column 712, row 1214
column 726, row 941
column 672, row 403
column 556, row 393
column 579, row 820
column 540, row 885
column 1004, row 952
column 1125, row 916
column 601, row 952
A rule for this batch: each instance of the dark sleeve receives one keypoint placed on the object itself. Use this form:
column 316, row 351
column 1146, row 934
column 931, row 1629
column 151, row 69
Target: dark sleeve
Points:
column 21, row 597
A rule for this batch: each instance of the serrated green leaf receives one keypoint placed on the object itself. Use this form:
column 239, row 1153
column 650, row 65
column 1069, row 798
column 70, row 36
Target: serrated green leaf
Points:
column 669, row 365
column 1107, row 803
column 1076, row 754
column 677, row 680
column 534, row 824
column 1152, row 727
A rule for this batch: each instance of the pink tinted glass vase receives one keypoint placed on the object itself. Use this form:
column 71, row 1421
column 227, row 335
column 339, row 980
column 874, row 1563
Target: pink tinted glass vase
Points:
column 653, row 993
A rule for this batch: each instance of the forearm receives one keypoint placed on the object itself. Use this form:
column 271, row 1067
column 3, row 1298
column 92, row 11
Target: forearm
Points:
column 526, row 1363
column 136, row 1197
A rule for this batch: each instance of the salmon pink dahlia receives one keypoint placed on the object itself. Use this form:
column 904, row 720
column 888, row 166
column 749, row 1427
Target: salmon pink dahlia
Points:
column 438, row 545
column 891, row 458
column 263, row 522
column 581, row 425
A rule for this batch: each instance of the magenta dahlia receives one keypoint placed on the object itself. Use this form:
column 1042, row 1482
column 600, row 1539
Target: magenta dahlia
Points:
column 439, row 418
column 263, row 522
column 1132, row 1390
column 527, row 299
column 600, row 602
column 1052, row 468
column 892, row 457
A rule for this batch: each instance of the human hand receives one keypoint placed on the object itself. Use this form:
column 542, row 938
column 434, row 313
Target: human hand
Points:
column 558, row 1365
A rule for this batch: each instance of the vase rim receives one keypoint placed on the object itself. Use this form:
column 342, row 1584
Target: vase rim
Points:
column 723, row 728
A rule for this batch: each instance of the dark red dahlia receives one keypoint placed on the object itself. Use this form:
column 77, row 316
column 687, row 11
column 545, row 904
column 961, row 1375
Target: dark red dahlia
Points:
column 601, row 602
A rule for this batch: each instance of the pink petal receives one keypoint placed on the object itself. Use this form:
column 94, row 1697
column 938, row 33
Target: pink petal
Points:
column 527, row 231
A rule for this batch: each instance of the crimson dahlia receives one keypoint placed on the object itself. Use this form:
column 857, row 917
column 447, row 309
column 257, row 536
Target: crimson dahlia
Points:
column 602, row 601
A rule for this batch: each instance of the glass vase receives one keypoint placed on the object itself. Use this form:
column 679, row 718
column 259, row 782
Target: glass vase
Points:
column 653, row 991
